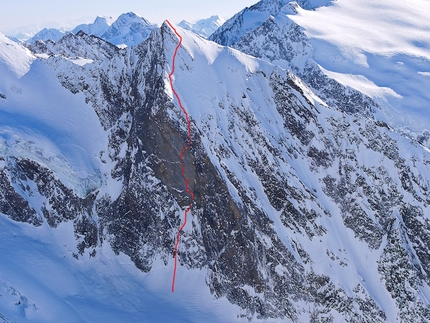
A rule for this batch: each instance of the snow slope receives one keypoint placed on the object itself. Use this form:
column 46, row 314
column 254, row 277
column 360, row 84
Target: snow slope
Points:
column 15, row 60
column 241, row 85
column 40, row 119
column 40, row 281
column 380, row 48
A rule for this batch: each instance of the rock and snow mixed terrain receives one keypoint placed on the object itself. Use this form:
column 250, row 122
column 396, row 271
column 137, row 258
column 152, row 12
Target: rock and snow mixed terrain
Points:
column 312, row 199
column 386, row 58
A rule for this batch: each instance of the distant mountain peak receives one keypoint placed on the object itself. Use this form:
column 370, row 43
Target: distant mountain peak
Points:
column 129, row 29
column 108, row 20
column 203, row 27
column 97, row 28
column 130, row 17
column 45, row 34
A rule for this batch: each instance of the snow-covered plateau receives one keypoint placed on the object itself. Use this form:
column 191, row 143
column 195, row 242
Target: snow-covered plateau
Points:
column 308, row 164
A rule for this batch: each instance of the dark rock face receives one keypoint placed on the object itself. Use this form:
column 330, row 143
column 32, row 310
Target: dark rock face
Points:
column 272, row 242
column 401, row 275
column 26, row 180
column 12, row 203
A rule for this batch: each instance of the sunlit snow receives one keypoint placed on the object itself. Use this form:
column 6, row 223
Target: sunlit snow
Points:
column 43, row 121
column 381, row 48
column 14, row 58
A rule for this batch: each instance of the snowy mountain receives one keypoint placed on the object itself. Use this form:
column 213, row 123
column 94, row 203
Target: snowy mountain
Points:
column 391, row 42
column 394, row 42
column 203, row 27
column 307, row 204
column 46, row 34
column 24, row 33
column 129, row 29
column 97, row 28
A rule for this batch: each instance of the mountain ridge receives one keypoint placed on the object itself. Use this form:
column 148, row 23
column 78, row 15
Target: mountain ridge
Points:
column 127, row 30
column 322, row 58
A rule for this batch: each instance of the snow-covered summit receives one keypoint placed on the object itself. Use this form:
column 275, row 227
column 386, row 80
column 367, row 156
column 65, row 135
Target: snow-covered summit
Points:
column 203, row 27
column 47, row 34
column 254, row 16
column 97, row 28
column 129, row 29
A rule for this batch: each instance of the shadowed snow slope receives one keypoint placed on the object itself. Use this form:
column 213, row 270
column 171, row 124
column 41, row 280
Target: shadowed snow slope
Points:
column 42, row 282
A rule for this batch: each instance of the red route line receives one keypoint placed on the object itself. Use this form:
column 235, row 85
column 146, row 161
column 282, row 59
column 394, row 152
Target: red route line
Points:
column 181, row 155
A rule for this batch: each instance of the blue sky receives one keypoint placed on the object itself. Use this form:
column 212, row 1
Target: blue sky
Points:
column 52, row 13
